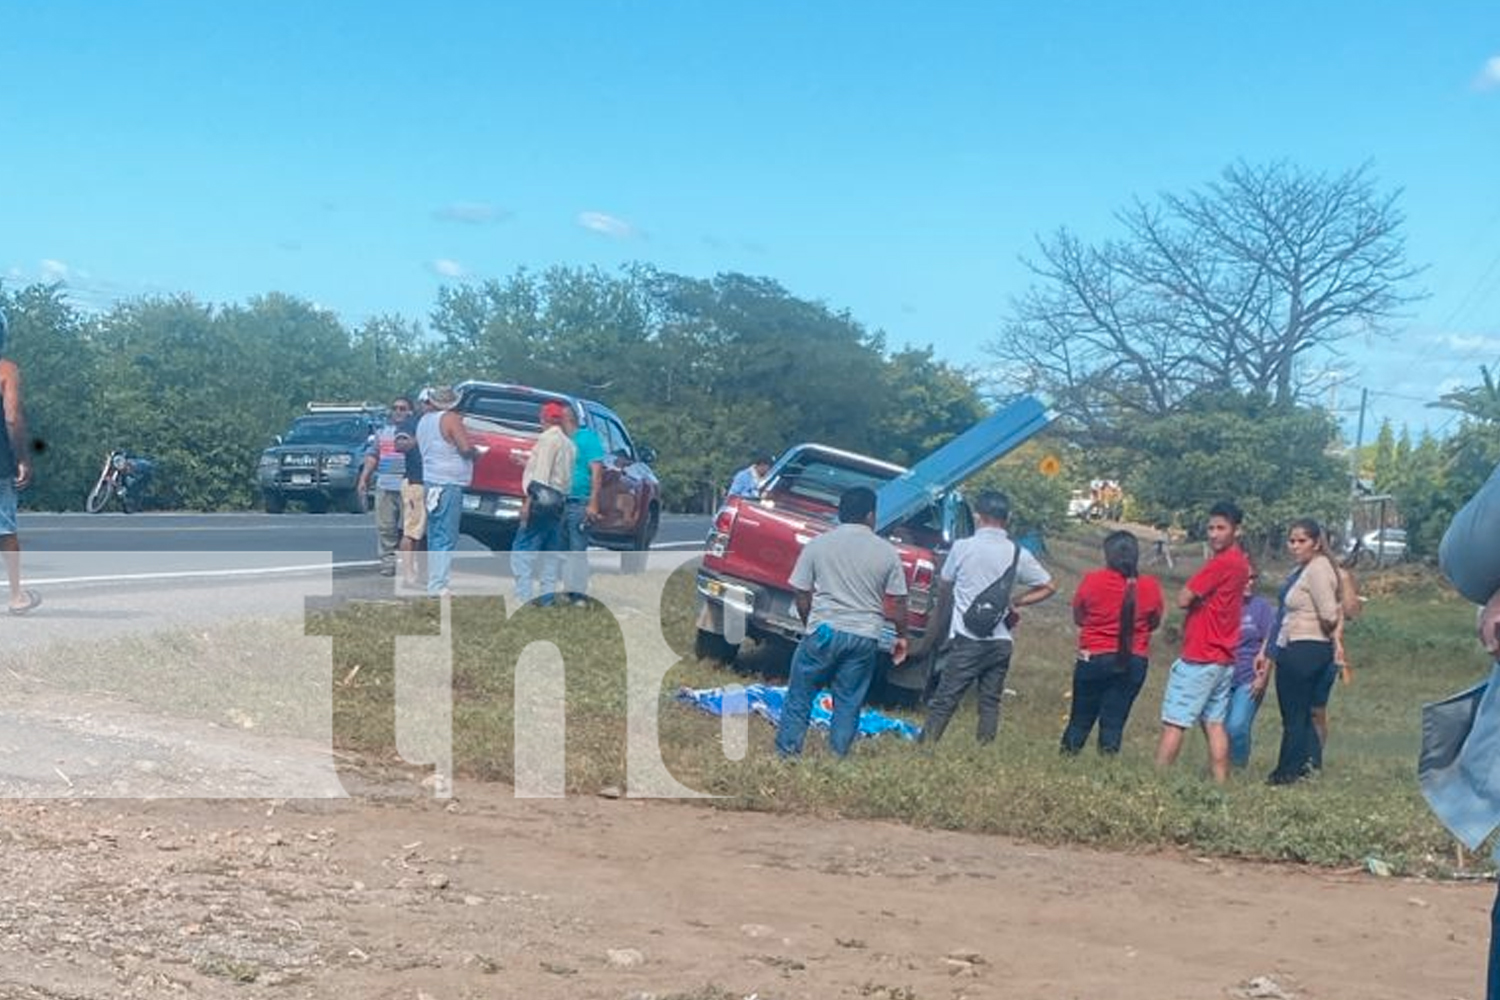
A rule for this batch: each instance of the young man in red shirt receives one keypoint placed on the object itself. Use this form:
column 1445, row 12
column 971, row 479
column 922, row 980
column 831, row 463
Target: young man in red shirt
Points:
column 1198, row 686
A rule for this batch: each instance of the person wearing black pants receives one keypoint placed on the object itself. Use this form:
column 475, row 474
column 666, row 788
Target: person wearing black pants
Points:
column 980, row 663
column 1105, row 692
column 1310, row 615
column 1116, row 610
column 1299, row 670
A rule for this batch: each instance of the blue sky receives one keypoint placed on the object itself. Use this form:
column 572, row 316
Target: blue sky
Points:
column 894, row 160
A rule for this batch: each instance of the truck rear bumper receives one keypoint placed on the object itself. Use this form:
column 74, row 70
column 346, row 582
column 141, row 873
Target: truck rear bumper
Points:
column 492, row 506
column 737, row 609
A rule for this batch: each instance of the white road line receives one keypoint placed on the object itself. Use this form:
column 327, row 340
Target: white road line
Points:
column 209, row 574
column 196, row 574
column 186, row 528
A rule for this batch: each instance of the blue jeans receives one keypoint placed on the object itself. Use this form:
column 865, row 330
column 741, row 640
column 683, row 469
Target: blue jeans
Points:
column 575, row 537
column 843, row 662
column 442, row 535
column 8, row 505
column 1240, row 722
column 532, row 558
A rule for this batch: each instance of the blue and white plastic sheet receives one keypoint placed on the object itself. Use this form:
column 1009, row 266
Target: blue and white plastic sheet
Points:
column 766, row 701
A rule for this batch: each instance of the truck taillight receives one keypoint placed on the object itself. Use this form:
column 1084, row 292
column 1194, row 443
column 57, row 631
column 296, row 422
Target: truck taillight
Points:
column 724, row 522
column 919, row 596
column 921, row 574
column 718, row 535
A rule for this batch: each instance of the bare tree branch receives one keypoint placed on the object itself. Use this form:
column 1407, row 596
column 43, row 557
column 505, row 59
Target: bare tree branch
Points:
column 1247, row 284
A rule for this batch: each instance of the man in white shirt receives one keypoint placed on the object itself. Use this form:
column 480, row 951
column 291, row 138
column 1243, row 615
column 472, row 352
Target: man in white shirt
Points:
column 980, row 660
column 748, row 481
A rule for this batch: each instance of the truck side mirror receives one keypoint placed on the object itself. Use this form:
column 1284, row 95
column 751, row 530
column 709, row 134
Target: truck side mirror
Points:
column 647, row 454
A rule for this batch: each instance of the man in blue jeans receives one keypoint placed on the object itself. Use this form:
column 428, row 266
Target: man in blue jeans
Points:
column 583, row 506
column 841, row 580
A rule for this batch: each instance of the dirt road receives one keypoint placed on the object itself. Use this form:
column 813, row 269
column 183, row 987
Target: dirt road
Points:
column 394, row 895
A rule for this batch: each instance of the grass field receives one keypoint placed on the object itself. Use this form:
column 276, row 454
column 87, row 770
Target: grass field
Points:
column 1413, row 644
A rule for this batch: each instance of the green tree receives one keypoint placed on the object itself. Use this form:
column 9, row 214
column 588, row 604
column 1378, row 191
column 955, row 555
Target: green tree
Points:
column 391, row 356
column 705, row 370
column 1385, row 456
column 204, row 390
column 1479, row 402
column 53, row 345
column 1038, row 495
column 924, row 403
column 1275, row 462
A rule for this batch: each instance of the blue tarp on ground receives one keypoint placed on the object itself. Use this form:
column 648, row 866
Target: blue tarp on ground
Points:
column 766, row 701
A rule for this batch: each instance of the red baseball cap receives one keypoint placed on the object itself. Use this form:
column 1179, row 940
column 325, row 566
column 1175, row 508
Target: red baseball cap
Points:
column 553, row 412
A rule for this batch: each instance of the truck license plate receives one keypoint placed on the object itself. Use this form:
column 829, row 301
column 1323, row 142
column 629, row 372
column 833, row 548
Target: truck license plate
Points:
column 302, row 479
column 471, row 502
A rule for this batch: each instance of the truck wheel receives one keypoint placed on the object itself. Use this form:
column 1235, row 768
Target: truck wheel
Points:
column 638, row 556
column 715, row 648
column 275, row 503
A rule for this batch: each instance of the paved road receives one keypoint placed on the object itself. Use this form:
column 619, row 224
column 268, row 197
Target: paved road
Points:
column 349, row 537
column 95, row 708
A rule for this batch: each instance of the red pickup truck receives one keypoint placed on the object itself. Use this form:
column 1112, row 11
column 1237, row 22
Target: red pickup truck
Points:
column 505, row 420
column 754, row 543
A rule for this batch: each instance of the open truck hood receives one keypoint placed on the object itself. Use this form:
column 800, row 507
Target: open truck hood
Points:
column 993, row 437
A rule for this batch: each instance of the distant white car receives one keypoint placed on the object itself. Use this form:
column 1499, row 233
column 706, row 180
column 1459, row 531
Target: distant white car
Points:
column 1383, row 546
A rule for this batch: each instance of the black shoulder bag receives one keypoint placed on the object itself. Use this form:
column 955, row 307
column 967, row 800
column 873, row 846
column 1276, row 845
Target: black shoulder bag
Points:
column 993, row 603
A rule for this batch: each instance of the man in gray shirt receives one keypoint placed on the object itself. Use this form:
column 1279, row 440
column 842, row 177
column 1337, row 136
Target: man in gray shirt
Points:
column 841, row 580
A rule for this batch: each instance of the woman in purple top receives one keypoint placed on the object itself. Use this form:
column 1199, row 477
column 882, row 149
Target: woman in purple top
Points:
column 1248, row 687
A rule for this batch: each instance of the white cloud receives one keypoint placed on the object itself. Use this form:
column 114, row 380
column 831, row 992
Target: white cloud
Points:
column 1489, row 76
column 608, row 225
column 473, row 213
column 448, row 268
column 1471, row 343
column 54, row 270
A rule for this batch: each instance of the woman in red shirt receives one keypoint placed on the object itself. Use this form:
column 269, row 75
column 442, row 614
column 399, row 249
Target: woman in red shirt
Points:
column 1116, row 610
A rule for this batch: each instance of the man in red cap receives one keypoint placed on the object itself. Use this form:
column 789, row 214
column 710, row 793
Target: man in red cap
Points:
column 546, row 480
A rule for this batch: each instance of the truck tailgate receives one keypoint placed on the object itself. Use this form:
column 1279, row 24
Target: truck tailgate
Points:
column 499, row 469
column 764, row 543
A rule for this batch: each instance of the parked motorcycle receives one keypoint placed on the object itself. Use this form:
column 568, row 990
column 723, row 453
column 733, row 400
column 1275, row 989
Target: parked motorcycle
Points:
column 124, row 476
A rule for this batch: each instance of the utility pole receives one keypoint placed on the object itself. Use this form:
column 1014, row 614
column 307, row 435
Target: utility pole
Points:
column 1359, row 441
column 1350, row 537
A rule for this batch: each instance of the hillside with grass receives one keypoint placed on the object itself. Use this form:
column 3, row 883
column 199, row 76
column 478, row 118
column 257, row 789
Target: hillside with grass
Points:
column 1413, row 644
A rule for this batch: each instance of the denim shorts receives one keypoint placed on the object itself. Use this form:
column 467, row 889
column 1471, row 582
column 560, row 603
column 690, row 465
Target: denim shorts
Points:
column 7, row 506
column 1196, row 692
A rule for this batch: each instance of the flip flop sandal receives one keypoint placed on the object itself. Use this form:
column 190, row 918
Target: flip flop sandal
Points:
column 33, row 601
